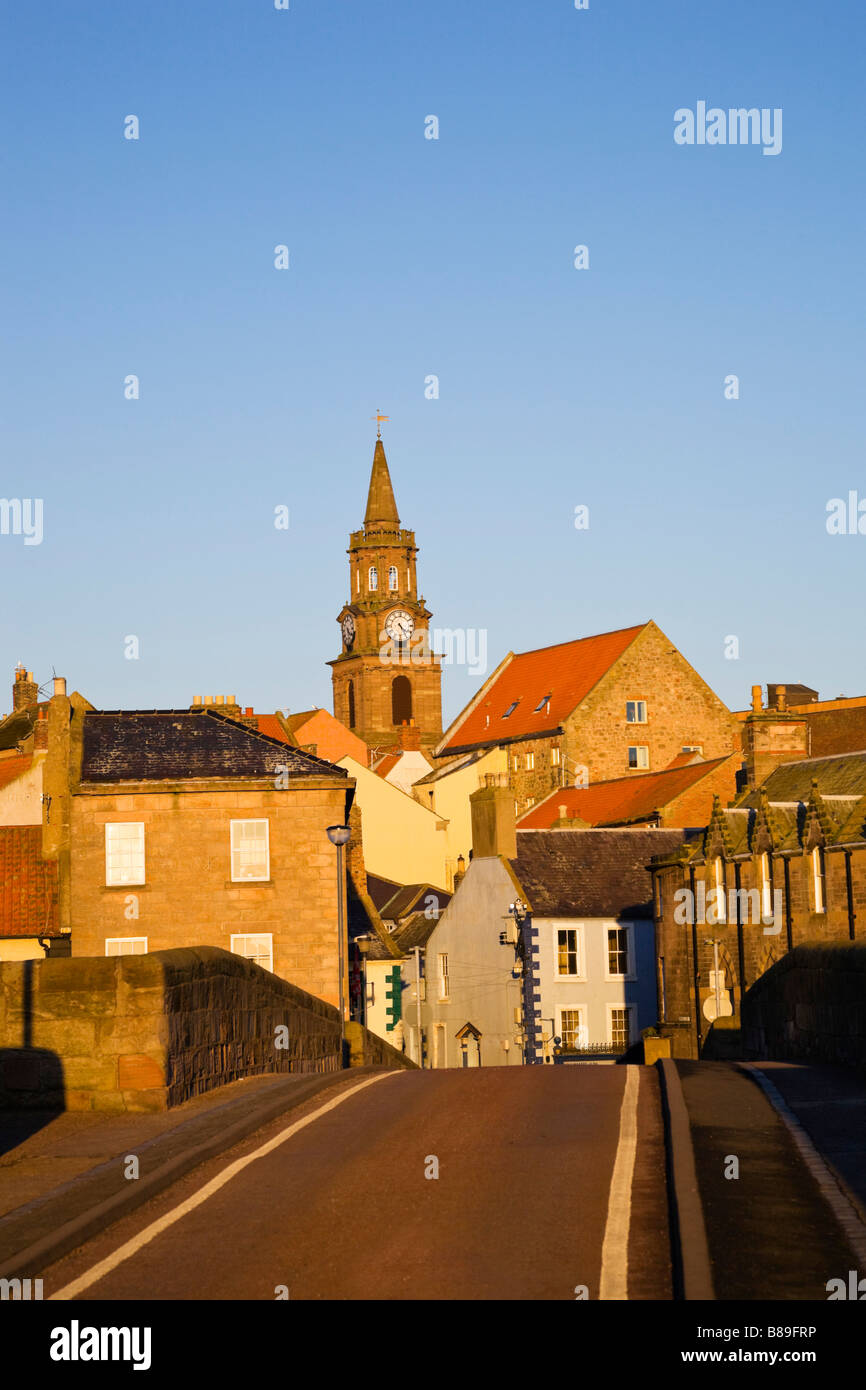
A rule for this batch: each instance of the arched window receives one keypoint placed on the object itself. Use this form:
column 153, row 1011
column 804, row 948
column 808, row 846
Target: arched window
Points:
column 818, row 878
column 357, row 581
column 373, row 578
column 392, row 577
column 719, row 909
column 401, row 700
column 351, row 704
column 766, row 888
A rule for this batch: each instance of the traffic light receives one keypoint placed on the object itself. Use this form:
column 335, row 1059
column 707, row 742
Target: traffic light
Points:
column 394, row 998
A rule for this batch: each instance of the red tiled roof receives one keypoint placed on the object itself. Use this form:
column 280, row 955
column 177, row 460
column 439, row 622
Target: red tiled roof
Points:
column 683, row 760
column 565, row 673
column 386, row 764
column 11, row 768
column 269, row 724
column 622, row 799
column 28, row 884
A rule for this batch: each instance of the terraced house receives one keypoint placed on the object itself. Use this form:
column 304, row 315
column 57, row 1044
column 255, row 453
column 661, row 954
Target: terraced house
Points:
column 615, row 705
column 785, row 865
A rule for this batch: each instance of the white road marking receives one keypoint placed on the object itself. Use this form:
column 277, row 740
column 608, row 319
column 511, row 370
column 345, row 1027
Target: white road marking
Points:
column 131, row 1247
column 614, row 1250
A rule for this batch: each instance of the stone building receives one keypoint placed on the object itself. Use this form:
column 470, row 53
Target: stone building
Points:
column 187, row 828
column 783, row 866
column 387, row 675
column 616, row 705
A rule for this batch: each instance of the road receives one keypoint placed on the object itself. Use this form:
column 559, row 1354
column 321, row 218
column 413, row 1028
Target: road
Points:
column 549, row 1180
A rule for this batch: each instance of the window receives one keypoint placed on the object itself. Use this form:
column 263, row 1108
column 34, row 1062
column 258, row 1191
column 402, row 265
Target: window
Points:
column 126, row 945
column 443, row 975
column 571, row 1028
column 124, row 852
column 401, row 700
column 618, row 963
column 357, row 581
column 545, row 700
column 766, row 888
column 568, row 945
column 258, row 948
column 373, row 578
column 620, row 1024
column 511, row 708
column 818, row 877
column 719, row 912
column 250, row 853
column 515, row 762
column 638, row 757
column 555, row 757
column 635, row 711
column 693, row 748
column 351, row 704
column 530, row 761
column 392, row 578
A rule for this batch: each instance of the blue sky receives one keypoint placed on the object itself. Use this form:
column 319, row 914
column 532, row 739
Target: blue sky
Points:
column 411, row 257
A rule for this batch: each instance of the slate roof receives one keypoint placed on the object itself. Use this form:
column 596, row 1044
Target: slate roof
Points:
column 28, row 884
column 175, row 745
column 590, row 873
column 564, row 673
column 381, row 890
column 19, row 725
column 621, row 799
column 842, row 774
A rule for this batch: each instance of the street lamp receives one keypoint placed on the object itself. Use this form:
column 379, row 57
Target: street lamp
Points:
column 340, row 835
column 715, row 942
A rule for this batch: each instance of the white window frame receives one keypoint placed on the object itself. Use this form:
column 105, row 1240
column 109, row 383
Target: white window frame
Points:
column 118, row 881
column 628, row 928
column 721, row 909
column 637, row 706
column 254, row 936
column 766, row 887
column 442, row 977
column 515, row 762
column 632, row 1021
column 819, row 895
column 555, row 757
column 373, row 579
column 249, row 878
column 637, row 765
column 577, row 927
column 530, row 762
column 126, row 941
column 582, row 1028
column 393, row 579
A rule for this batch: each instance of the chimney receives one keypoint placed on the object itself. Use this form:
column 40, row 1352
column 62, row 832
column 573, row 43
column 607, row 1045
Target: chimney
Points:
column 40, row 731
column 60, row 685
column 772, row 737
column 25, row 691
column 410, row 736
column 756, row 699
column 493, row 820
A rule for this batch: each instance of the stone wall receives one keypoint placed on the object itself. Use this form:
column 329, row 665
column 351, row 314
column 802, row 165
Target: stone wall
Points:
column 149, row 1032
column 810, row 1006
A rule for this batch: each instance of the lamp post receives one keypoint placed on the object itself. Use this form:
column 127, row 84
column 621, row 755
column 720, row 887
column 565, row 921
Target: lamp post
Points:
column 339, row 835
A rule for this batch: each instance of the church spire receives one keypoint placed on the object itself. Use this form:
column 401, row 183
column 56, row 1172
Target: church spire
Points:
column 380, row 499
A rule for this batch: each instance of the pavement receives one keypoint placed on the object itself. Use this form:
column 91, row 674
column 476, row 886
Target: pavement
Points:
column 495, row 1183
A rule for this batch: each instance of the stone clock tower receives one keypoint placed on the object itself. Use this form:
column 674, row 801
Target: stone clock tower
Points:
column 386, row 676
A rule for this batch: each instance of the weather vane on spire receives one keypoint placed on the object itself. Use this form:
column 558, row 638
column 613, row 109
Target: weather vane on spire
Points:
column 379, row 418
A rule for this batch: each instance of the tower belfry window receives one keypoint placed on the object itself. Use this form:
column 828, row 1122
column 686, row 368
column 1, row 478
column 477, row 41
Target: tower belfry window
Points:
column 392, row 578
column 373, row 578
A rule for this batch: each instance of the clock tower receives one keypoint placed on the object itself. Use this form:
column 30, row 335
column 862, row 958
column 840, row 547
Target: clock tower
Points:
column 386, row 676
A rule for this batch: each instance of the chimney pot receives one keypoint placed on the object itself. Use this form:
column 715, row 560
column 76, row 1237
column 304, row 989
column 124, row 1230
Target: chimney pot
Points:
column 248, row 710
column 59, row 685
column 781, row 697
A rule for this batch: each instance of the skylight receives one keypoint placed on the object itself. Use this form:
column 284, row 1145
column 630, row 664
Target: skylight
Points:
column 511, row 708
column 545, row 700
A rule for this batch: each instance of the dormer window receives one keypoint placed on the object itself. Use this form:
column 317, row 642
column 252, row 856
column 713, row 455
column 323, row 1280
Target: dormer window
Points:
column 511, row 708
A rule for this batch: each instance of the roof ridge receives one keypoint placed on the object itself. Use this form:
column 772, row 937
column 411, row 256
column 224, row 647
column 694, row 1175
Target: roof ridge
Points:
column 591, row 637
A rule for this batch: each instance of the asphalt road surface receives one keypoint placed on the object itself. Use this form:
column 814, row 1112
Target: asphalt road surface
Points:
column 549, row 1180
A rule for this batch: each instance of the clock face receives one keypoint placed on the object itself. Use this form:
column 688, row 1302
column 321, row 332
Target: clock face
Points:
column 399, row 625
column 348, row 629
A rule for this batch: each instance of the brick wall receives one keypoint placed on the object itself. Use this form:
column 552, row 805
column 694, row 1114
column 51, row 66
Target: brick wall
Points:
column 149, row 1032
